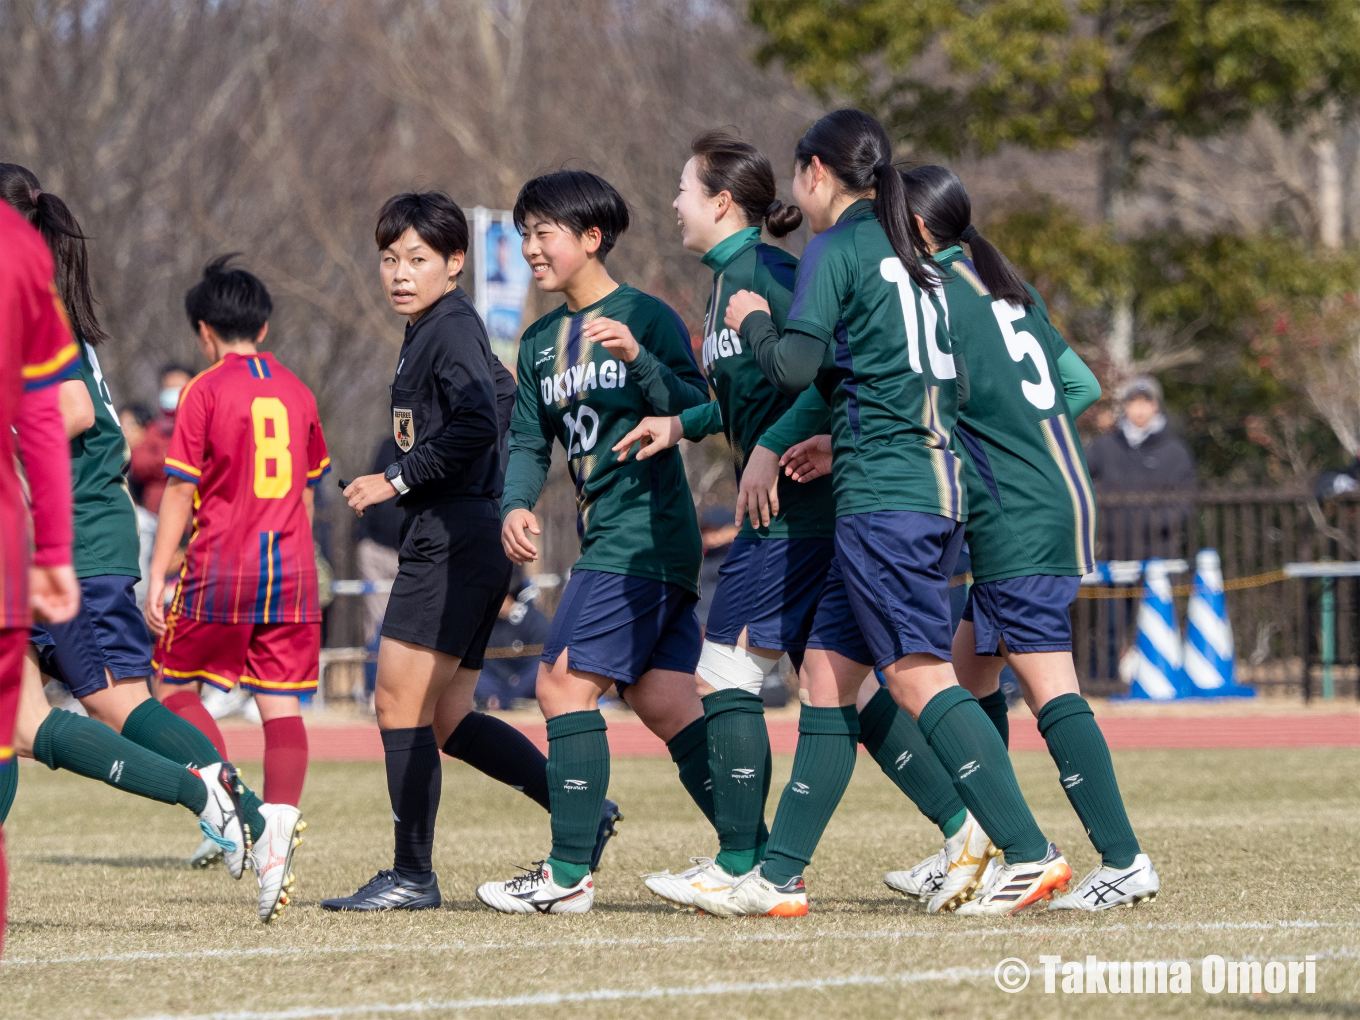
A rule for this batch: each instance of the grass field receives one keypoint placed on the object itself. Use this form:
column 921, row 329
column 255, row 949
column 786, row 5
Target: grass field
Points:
column 1255, row 849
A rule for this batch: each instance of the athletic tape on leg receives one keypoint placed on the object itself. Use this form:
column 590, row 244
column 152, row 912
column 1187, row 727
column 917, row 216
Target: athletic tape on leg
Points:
column 728, row 666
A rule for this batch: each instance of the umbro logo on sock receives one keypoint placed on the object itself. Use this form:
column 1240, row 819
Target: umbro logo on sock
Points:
column 743, row 774
column 1071, row 781
column 116, row 773
column 802, row 788
column 575, row 784
column 968, row 769
column 902, row 760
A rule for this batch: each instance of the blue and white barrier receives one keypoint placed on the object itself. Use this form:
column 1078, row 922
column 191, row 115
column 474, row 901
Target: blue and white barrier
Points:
column 1210, row 657
column 1157, row 663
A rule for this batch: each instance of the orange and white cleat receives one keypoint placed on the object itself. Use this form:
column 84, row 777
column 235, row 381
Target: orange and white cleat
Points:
column 754, row 895
column 271, row 856
column 1011, row 888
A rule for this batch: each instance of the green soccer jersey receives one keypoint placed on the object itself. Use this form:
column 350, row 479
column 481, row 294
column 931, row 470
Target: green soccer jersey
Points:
column 747, row 403
column 634, row 518
column 1030, row 505
column 104, row 516
column 889, row 377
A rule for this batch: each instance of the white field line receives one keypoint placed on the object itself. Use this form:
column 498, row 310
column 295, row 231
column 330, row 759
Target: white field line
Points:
column 467, row 946
column 951, row 975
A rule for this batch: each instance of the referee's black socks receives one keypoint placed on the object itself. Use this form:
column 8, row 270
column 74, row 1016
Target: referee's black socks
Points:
column 413, row 785
column 502, row 752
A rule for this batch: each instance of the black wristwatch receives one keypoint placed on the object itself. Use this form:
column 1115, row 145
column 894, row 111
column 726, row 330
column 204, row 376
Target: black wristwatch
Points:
column 393, row 475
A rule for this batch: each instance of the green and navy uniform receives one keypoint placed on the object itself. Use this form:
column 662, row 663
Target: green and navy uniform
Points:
column 108, row 631
column 1031, row 522
column 769, row 581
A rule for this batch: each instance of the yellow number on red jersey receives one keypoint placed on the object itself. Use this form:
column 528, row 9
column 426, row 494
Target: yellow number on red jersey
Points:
column 271, row 450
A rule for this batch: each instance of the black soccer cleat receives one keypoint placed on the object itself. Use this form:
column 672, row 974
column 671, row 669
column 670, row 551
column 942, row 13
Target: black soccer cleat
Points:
column 609, row 814
column 388, row 890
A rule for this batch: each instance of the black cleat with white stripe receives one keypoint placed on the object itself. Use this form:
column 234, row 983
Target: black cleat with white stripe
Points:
column 388, row 890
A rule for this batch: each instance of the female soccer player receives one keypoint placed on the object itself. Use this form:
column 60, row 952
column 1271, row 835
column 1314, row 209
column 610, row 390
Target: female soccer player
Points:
column 861, row 307
column 1031, row 522
column 588, row 372
column 451, row 399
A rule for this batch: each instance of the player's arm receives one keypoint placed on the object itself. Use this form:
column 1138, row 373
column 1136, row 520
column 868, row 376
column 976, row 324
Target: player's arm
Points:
column 665, row 370
column 309, row 505
column 531, row 439
column 657, row 434
column 1079, row 383
column 77, row 409
column 177, row 505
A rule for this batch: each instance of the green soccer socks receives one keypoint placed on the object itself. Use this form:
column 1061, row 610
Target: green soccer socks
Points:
column 739, row 770
column 822, row 766
column 968, row 746
column 89, row 748
column 9, row 785
column 897, row 744
column 578, row 778
column 1083, row 759
column 689, row 751
column 994, row 705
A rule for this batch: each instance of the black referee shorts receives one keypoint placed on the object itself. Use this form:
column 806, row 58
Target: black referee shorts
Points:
column 451, row 579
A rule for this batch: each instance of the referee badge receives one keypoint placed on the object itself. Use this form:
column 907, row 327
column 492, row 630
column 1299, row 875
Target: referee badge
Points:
column 404, row 428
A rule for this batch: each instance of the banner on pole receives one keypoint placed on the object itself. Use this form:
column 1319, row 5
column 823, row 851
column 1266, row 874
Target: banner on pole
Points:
column 500, row 280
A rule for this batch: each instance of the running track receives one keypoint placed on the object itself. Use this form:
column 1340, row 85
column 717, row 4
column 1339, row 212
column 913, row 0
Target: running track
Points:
column 630, row 739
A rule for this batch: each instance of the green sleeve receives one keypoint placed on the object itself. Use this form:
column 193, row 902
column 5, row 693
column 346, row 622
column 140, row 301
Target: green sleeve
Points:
column 1079, row 382
column 809, row 416
column 702, row 420
column 665, row 369
column 531, row 439
column 792, row 361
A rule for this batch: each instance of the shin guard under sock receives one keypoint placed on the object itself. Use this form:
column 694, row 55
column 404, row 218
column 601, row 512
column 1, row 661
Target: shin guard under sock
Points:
column 994, row 705
column 413, row 785
column 968, row 746
column 1087, row 773
column 578, row 779
column 497, row 749
column 738, row 753
column 689, row 751
column 285, row 759
column 894, row 739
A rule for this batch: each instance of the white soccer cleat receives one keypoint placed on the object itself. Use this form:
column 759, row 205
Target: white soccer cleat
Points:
column 535, row 892
column 1010, row 888
column 207, row 854
column 221, row 819
column 272, row 857
column 964, row 857
column 1106, row 887
column 681, row 889
column 754, row 895
column 922, row 881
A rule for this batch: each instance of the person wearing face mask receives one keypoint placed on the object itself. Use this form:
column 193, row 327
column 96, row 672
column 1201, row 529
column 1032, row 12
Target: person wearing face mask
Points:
column 147, row 470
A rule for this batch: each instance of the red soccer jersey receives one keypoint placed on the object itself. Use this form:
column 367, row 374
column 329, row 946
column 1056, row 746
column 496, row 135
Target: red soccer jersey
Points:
column 36, row 349
column 248, row 434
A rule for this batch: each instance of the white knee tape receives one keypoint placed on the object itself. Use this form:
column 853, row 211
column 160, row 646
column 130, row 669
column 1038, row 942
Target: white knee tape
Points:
column 726, row 666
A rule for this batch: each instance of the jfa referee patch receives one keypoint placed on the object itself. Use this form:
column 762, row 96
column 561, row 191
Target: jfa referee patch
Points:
column 404, row 428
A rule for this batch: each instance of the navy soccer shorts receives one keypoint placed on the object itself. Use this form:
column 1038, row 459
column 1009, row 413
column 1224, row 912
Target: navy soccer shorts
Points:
column 108, row 632
column 622, row 627
column 769, row 587
column 1031, row 614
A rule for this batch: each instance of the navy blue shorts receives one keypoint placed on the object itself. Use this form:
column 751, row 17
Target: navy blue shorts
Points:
column 769, row 587
column 621, row 626
column 108, row 632
column 834, row 627
column 1031, row 614
column 897, row 565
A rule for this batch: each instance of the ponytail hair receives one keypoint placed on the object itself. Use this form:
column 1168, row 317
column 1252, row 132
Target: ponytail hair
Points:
column 723, row 162
column 940, row 199
column 49, row 214
column 855, row 148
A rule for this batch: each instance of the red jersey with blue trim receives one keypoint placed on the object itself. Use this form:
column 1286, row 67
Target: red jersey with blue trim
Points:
column 36, row 350
column 248, row 435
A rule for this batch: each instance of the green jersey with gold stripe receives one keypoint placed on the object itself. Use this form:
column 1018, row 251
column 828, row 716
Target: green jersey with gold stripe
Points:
column 1030, row 506
column 634, row 518
column 890, row 379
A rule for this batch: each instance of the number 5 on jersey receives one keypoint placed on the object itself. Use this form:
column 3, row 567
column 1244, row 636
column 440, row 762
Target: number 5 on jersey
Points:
column 273, row 461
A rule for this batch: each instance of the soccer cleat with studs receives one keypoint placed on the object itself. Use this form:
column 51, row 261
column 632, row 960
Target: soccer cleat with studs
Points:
column 1104, row 888
column 207, row 854
column 536, row 892
column 220, row 820
column 681, row 889
column 754, row 895
column 963, row 859
column 1010, row 888
column 272, row 857
column 387, row 890
column 920, row 882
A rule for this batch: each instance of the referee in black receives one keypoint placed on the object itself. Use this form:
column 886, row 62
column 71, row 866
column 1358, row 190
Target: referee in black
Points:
column 451, row 404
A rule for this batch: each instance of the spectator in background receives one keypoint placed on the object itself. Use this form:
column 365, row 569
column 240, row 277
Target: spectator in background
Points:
column 519, row 628
column 148, row 456
column 379, row 539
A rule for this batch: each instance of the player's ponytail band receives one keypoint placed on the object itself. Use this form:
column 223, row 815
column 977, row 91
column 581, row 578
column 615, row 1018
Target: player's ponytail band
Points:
column 969, row 232
column 34, row 194
column 773, row 208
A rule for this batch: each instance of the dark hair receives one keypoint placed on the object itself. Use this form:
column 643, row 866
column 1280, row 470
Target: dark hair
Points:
column 175, row 366
column 725, row 163
column 65, row 240
column 578, row 200
column 940, row 199
column 233, row 302
column 140, row 411
column 855, row 148
column 436, row 218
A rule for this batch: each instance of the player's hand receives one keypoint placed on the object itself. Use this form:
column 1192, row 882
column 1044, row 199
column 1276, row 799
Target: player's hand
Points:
column 808, row 460
column 742, row 304
column 53, row 593
column 617, row 338
column 366, row 490
column 759, row 492
column 154, row 606
column 516, row 543
column 655, row 434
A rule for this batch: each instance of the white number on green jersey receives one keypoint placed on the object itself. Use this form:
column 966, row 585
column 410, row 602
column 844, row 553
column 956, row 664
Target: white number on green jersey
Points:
column 582, row 431
column 941, row 362
column 1021, row 344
